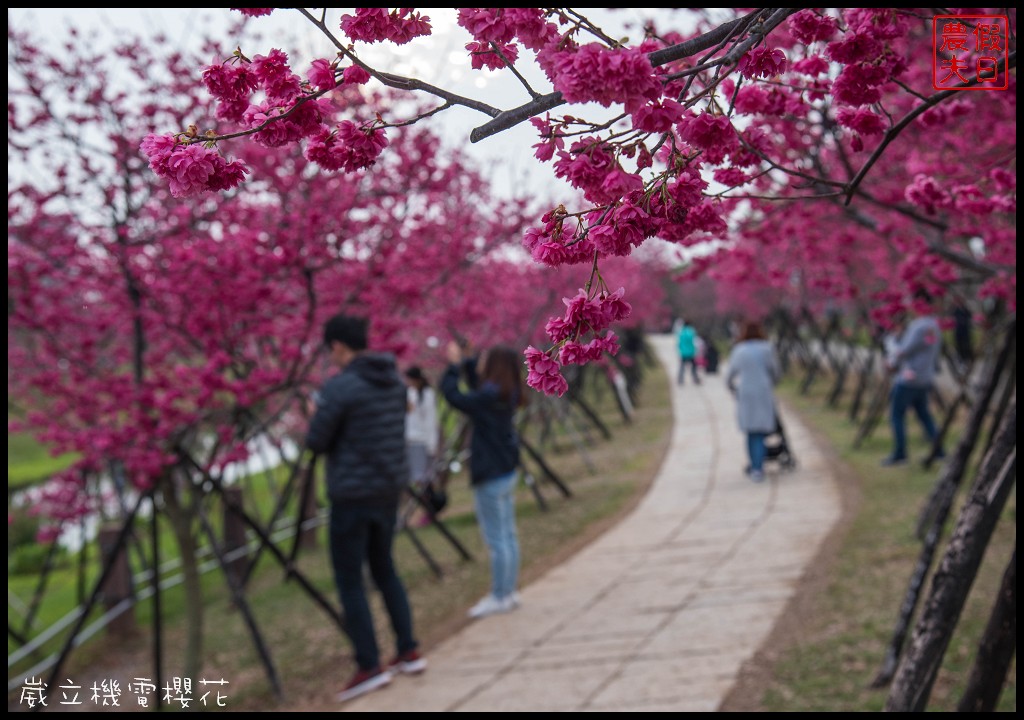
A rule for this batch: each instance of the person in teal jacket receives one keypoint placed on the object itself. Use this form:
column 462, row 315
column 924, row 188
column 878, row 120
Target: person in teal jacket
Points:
column 687, row 352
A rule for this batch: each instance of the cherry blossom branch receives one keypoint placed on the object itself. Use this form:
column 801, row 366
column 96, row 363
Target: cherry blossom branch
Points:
column 512, row 68
column 942, row 250
column 503, row 120
column 816, row 179
column 691, row 47
column 584, row 22
column 931, row 102
column 904, row 210
column 966, row 261
column 397, row 81
column 780, row 198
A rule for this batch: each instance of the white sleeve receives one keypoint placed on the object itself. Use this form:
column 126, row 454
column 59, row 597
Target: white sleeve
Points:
column 430, row 420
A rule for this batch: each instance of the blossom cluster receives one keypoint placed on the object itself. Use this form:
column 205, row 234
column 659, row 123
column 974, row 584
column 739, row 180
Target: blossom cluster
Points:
column 377, row 25
column 191, row 169
column 825, row 81
column 586, row 316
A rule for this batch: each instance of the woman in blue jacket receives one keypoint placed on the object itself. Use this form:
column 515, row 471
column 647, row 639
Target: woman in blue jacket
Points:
column 495, row 391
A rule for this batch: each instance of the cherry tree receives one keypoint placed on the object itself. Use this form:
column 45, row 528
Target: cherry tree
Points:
column 155, row 336
column 702, row 127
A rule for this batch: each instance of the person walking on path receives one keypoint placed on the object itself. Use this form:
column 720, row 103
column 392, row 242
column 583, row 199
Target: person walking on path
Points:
column 495, row 392
column 752, row 376
column 359, row 424
column 687, row 352
column 914, row 360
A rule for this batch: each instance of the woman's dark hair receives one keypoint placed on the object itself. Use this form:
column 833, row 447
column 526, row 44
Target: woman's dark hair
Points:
column 415, row 373
column 751, row 331
column 503, row 367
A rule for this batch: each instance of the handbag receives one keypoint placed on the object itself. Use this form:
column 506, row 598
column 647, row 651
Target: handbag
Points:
column 436, row 498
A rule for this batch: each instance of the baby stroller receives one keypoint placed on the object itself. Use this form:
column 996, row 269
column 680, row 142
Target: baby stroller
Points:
column 776, row 448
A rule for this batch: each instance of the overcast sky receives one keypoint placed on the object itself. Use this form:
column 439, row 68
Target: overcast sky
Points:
column 440, row 59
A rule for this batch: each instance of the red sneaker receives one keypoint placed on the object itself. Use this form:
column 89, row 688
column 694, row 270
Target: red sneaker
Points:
column 409, row 662
column 364, row 681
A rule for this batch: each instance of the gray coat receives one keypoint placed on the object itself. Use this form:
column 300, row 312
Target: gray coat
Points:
column 753, row 373
column 917, row 352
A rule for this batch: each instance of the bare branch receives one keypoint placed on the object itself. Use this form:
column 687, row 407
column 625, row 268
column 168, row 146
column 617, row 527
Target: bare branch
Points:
column 504, row 120
column 966, row 261
column 700, row 43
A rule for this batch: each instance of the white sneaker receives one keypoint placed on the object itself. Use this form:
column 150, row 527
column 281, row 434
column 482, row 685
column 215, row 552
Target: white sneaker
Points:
column 757, row 476
column 491, row 605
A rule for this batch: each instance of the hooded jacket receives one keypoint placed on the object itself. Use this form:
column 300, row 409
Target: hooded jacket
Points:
column 359, row 424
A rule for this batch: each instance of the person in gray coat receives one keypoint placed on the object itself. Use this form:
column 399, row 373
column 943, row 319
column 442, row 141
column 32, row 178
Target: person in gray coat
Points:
column 752, row 376
column 914, row 360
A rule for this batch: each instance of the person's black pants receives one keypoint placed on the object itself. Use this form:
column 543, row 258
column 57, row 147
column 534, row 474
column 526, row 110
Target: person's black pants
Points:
column 365, row 533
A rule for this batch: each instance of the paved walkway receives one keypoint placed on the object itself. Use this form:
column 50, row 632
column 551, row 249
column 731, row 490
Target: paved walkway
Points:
column 660, row 612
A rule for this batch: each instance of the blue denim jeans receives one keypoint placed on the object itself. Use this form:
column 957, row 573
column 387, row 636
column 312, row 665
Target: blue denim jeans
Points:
column 756, row 450
column 495, row 504
column 364, row 533
column 902, row 398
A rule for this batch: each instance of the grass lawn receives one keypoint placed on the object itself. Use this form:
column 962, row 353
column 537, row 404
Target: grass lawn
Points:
column 827, row 651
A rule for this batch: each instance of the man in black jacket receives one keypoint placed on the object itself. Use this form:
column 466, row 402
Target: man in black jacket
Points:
column 359, row 424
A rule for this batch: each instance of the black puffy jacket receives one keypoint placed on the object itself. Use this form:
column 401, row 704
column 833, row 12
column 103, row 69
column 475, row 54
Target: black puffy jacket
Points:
column 359, row 425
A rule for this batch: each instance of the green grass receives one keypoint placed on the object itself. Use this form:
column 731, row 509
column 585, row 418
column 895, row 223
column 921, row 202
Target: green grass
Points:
column 844, row 636
column 29, row 462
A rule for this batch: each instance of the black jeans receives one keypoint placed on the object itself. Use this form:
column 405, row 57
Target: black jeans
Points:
column 358, row 533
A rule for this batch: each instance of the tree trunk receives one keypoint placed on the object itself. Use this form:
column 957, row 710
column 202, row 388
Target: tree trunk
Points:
column 996, row 650
column 952, row 581
column 181, row 525
column 953, row 471
column 867, row 371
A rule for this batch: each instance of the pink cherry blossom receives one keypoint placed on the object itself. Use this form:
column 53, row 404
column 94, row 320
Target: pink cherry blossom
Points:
column 232, row 85
column 254, row 12
column 808, row 26
column 862, row 120
column 763, row 62
column 812, row 65
column 321, row 74
column 276, row 77
column 596, row 74
column 859, row 84
column 483, row 56
column 377, row 25
column 713, row 134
